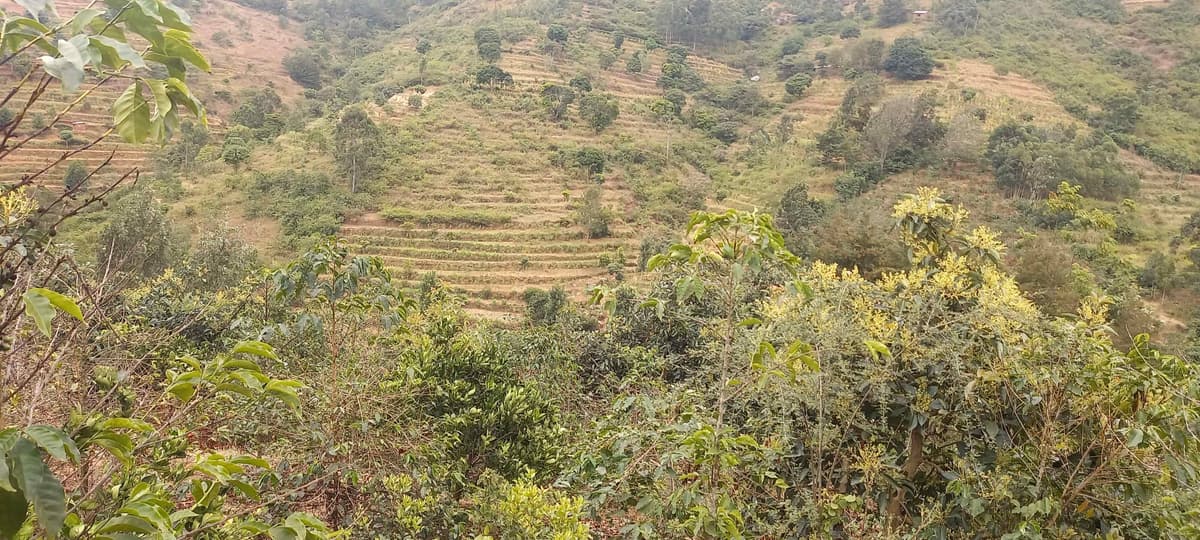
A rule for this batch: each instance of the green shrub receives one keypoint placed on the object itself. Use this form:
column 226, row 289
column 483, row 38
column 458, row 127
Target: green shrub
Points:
column 448, row 216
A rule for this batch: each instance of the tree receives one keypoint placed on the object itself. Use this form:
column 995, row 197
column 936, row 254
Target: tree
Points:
column 599, row 110
column 798, row 216
column 677, row 74
column 634, row 64
column 1120, row 112
column 235, row 151
column 592, row 160
column 490, row 52
column 67, row 135
column 1159, row 272
column 558, row 33
column 592, row 215
column 557, row 99
column 964, row 140
column 219, row 259
column 850, row 32
column 892, row 13
column 182, row 154
column 618, row 39
column 543, row 307
column 886, row 130
column 607, row 59
column 304, row 66
column 137, row 239
column 959, row 17
column 492, row 76
column 75, row 176
column 487, row 43
column 359, row 144
column 581, row 84
column 797, row 84
column 423, row 48
column 908, row 60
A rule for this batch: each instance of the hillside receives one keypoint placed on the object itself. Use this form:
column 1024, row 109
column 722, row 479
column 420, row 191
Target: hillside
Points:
column 493, row 157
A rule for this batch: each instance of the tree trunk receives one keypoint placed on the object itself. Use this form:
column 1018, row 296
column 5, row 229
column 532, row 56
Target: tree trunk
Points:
column 916, row 456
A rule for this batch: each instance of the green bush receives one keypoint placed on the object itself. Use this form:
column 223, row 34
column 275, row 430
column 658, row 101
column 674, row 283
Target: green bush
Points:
column 449, row 216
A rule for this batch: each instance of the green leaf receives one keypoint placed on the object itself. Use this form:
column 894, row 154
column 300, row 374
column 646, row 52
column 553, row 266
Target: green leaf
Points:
column 117, row 444
column 252, row 461
column 182, row 95
column 178, row 43
column 125, row 423
column 62, row 302
column 1133, row 439
column 83, row 18
column 285, row 533
column 285, row 391
column 183, row 391
column 149, row 8
column 13, row 511
column 39, row 486
column 877, row 349
column 117, row 53
column 256, row 348
column 162, row 103
column 54, row 442
column 39, row 308
column 5, row 484
column 246, row 489
column 131, row 114
column 68, row 67
column 174, row 17
column 129, row 524
column 750, row 322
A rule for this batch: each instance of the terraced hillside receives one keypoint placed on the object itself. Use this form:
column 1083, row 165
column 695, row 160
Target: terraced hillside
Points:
column 252, row 60
column 495, row 158
column 83, row 121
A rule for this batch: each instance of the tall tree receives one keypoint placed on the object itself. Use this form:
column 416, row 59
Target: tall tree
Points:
column 358, row 143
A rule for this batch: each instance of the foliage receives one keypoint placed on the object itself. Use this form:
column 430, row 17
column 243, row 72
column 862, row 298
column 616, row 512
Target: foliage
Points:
column 483, row 417
column 492, row 77
column 908, row 60
column 959, row 17
column 487, row 44
column 75, row 176
column 358, row 143
column 677, row 74
column 543, row 307
column 599, row 110
column 557, row 98
column 892, row 13
column 1027, row 160
column 137, row 239
column 235, row 151
column 304, row 66
column 306, row 204
column 449, row 216
column 557, row 33
column 636, row 63
column 182, row 153
column 592, row 215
